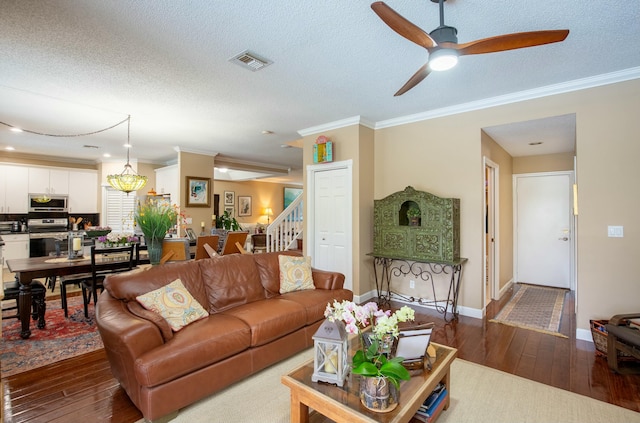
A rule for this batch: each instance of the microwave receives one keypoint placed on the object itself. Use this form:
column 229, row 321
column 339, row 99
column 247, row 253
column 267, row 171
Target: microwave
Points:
column 48, row 203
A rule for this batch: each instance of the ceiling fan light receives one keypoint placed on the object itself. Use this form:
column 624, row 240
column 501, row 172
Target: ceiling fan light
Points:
column 443, row 59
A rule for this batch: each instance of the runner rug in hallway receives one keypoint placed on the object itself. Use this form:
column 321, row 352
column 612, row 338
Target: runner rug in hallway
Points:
column 62, row 338
column 534, row 307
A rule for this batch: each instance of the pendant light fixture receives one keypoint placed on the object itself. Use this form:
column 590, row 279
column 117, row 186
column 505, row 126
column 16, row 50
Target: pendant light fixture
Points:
column 128, row 180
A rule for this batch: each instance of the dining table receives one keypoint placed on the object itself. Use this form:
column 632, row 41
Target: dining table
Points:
column 28, row 269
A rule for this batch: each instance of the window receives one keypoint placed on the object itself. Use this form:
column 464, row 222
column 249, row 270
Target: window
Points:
column 118, row 209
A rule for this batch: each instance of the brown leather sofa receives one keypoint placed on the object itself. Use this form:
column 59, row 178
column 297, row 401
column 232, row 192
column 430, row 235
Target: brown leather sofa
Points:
column 250, row 326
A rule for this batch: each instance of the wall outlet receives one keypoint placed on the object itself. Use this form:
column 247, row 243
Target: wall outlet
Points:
column 412, row 284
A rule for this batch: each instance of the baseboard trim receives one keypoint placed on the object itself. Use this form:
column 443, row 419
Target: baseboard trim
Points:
column 462, row 310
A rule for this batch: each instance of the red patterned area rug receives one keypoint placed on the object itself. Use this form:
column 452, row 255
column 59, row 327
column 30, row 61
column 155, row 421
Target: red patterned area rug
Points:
column 61, row 338
column 534, row 307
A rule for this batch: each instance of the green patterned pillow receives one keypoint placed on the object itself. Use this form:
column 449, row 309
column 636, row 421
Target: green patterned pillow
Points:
column 174, row 303
column 295, row 273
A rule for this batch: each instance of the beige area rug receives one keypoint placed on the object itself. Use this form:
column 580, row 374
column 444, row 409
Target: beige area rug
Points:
column 534, row 307
column 478, row 394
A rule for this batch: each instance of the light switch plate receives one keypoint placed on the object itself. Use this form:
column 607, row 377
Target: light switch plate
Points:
column 615, row 231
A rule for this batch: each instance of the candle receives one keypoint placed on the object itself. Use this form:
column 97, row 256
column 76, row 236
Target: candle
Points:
column 77, row 244
column 331, row 365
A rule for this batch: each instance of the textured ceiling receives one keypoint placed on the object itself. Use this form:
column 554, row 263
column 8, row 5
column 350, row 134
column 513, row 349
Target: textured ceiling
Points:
column 76, row 66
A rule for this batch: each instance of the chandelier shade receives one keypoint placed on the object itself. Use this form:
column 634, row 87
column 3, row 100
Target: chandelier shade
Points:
column 128, row 180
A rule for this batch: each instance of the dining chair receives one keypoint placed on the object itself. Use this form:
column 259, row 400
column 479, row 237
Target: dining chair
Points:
column 175, row 249
column 38, row 294
column 201, row 242
column 259, row 242
column 105, row 261
column 230, row 246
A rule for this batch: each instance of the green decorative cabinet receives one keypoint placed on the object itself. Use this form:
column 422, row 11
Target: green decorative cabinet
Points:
column 417, row 225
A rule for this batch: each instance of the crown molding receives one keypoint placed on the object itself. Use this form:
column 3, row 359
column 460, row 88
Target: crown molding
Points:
column 355, row 120
column 565, row 87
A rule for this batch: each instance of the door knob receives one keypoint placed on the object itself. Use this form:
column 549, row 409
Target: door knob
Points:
column 564, row 239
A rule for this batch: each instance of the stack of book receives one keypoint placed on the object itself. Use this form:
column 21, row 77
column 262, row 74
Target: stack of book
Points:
column 433, row 405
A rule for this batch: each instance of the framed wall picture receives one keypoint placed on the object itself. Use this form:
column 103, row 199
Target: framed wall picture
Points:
column 190, row 234
column 231, row 210
column 229, row 198
column 198, row 192
column 244, row 205
column 291, row 194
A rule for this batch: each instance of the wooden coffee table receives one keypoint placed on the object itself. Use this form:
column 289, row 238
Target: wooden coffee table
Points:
column 342, row 404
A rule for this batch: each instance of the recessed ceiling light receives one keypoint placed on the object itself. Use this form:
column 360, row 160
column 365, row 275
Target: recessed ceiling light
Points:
column 535, row 143
column 106, row 155
column 266, row 132
column 9, row 148
column 285, row 146
column 127, row 145
column 16, row 130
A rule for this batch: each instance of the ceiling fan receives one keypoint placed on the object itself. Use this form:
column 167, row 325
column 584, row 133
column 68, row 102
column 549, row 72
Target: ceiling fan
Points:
column 442, row 42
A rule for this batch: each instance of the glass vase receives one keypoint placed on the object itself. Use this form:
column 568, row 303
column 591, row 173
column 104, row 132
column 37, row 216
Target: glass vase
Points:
column 154, row 249
column 378, row 394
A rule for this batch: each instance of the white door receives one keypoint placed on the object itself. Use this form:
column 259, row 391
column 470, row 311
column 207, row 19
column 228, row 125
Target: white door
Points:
column 544, row 228
column 330, row 220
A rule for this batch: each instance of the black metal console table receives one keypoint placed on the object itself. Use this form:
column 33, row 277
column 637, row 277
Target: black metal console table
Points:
column 424, row 270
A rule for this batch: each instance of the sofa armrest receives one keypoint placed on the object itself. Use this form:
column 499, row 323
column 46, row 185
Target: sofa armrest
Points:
column 323, row 279
column 621, row 319
column 125, row 337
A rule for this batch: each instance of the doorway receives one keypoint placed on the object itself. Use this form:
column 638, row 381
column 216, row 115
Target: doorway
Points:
column 543, row 229
column 329, row 217
column 491, row 244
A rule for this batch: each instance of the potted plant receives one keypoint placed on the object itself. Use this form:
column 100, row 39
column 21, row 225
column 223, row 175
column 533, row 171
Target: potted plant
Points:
column 413, row 214
column 227, row 222
column 381, row 373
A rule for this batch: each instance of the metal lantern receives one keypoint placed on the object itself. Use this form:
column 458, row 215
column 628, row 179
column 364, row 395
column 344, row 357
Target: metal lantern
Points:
column 76, row 245
column 331, row 346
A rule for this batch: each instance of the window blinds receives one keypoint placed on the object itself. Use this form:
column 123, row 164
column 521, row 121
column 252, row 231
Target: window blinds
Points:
column 120, row 209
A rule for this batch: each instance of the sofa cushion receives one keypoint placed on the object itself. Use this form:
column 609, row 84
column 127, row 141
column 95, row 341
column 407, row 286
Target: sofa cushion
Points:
column 270, row 319
column 295, row 274
column 315, row 302
column 198, row 345
column 269, row 269
column 174, row 303
column 128, row 285
column 231, row 280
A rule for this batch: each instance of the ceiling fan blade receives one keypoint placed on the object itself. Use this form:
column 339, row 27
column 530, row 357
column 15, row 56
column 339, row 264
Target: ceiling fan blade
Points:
column 417, row 77
column 509, row 42
column 402, row 26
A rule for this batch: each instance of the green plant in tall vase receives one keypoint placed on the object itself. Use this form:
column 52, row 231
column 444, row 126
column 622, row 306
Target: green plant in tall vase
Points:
column 155, row 218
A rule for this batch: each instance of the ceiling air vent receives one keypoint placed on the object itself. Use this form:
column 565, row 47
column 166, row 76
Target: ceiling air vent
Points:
column 250, row 60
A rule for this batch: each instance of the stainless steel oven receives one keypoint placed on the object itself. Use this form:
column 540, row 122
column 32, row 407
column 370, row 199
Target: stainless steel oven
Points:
column 47, row 236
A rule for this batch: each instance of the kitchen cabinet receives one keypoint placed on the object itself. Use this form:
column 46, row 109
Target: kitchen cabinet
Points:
column 168, row 182
column 83, row 191
column 14, row 188
column 15, row 247
column 44, row 180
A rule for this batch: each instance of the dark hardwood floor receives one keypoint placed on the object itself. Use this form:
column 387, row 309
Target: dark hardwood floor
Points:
column 82, row 389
